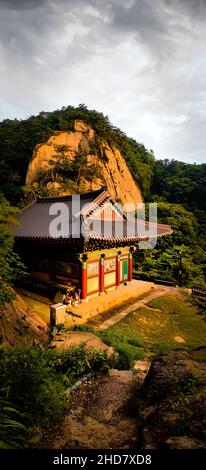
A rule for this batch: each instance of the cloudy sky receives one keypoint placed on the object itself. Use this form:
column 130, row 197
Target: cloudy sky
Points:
column 141, row 62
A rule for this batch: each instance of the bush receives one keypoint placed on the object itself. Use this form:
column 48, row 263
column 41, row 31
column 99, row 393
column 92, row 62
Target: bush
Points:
column 99, row 361
column 11, row 267
column 35, row 380
column 78, row 360
column 32, row 383
column 197, row 302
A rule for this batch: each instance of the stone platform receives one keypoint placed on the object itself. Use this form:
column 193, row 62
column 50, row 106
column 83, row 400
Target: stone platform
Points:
column 103, row 303
column 95, row 306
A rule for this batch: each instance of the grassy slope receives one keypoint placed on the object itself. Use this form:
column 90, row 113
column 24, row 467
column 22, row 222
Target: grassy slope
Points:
column 166, row 323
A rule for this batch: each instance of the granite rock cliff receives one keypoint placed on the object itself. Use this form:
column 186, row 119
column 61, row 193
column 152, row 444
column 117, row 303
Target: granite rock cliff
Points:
column 111, row 167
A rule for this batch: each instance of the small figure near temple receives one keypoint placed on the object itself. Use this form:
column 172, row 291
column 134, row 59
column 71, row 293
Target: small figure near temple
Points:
column 76, row 299
column 67, row 298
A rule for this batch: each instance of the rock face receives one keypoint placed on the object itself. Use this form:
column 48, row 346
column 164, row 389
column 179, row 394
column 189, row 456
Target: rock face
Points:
column 19, row 325
column 173, row 412
column 109, row 161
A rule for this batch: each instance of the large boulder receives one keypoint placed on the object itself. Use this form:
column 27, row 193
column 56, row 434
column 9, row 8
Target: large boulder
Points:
column 67, row 339
column 173, row 402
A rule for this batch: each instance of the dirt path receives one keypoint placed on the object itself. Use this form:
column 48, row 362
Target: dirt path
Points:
column 135, row 306
column 102, row 415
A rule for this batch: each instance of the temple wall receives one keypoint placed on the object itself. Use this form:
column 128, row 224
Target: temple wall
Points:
column 103, row 270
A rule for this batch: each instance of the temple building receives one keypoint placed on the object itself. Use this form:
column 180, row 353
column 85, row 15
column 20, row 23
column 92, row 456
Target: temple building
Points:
column 84, row 242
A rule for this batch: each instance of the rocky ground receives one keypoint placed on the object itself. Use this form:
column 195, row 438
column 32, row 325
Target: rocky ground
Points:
column 123, row 409
column 102, row 415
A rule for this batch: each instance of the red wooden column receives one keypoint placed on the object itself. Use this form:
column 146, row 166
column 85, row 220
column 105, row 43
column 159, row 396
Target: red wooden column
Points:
column 118, row 269
column 101, row 274
column 130, row 266
column 84, row 279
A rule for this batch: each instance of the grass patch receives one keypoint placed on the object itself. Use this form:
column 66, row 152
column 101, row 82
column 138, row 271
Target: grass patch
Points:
column 129, row 347
column 102, row 317
column 178, row 318
column 199, row 354
column 166, row 323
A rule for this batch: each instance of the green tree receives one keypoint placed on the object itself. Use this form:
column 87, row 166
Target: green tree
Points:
column 11, row 266
column 81, row 168
column 61, row 166
column 163, row 261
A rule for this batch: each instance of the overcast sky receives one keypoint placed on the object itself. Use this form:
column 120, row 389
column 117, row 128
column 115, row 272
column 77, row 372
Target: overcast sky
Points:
column 141, row 62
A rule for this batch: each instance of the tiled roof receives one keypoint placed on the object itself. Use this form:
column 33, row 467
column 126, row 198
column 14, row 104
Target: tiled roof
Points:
column 85, row 198
column 35, row 220
column 139, row 230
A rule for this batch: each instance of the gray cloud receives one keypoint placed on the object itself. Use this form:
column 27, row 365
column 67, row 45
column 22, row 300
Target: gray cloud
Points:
column 20, row 4
column 142, row 62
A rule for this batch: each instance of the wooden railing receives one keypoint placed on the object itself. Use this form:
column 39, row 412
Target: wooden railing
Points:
column 199, row 291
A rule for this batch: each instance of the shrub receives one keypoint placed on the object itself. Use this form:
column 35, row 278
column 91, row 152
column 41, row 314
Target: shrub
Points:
column 78, row 360
column 99, row 361
column 35, row 380
column 32, row 383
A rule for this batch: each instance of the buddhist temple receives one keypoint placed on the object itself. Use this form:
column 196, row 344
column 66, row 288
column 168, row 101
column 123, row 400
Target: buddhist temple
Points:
column 84, row 242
